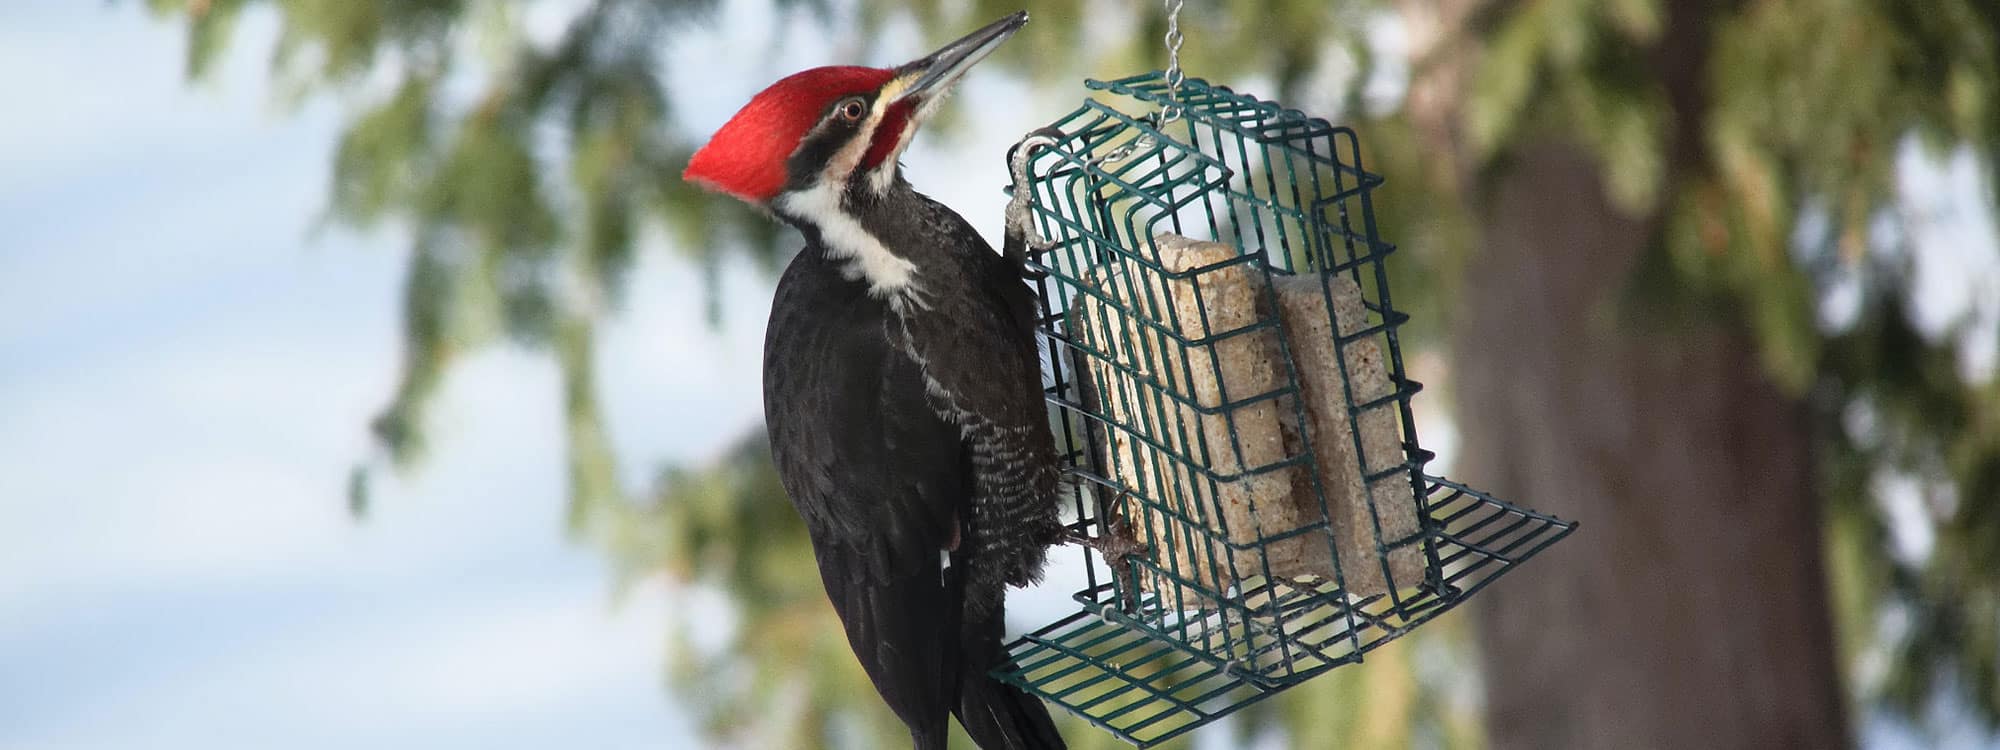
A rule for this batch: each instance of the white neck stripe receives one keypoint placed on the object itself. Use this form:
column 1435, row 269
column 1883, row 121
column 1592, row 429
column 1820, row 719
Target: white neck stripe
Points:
column 889, row 276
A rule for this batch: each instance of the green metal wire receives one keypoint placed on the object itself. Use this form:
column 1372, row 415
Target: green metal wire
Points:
column 1199, row 625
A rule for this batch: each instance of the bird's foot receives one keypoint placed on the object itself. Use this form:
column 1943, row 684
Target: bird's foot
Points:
column 1117, row 545
column 1022, row 241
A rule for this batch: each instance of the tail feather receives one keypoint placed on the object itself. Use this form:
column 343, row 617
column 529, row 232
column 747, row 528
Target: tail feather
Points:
column 998, row 716
column 902, row 651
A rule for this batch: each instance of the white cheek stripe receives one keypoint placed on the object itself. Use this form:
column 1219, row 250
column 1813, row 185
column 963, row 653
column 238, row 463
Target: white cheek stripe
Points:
column 889, row 276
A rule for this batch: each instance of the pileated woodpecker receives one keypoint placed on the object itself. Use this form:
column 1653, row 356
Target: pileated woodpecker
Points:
column 902, row 389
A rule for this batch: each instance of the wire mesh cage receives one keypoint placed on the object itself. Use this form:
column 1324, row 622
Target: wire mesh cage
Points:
column 1230, row 393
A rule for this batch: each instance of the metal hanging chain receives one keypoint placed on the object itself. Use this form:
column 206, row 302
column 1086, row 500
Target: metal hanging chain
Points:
column 1171, row 110
column 1174, row 38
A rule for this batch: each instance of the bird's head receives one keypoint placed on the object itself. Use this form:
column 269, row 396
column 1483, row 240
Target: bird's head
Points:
column 837, row 127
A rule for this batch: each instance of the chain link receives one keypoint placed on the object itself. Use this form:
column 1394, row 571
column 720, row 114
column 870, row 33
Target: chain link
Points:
column 1169, row 111
column 1172, row 110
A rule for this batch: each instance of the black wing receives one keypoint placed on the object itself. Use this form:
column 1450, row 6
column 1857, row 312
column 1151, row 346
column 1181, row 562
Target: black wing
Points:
column 878, row 477
column 977, row 345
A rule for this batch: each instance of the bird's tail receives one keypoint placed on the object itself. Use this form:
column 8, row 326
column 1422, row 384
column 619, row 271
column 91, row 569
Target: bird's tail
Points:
column 998, row 716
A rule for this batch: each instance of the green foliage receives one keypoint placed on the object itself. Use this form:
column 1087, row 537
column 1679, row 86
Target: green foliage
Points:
column 1588, row 56
column 1915, row 418
column 501, row 245
column 375, row 166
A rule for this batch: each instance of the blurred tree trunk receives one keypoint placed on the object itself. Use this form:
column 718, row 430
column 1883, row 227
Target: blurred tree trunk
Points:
column 1690, row 610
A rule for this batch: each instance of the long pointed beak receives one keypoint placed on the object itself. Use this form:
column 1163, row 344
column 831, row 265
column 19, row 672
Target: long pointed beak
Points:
column 934, row 74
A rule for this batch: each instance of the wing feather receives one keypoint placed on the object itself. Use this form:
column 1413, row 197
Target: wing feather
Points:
column 878, row 477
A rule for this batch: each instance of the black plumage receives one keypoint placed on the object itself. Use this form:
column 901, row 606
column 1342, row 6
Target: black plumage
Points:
column 907, row 429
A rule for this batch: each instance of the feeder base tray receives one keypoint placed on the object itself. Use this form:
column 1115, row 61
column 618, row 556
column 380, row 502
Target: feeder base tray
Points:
column 1123, row 676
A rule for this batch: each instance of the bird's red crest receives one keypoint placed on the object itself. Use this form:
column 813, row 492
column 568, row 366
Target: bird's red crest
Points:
column 746, row 158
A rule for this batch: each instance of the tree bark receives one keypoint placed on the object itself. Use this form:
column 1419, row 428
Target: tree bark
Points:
column 1689, row 610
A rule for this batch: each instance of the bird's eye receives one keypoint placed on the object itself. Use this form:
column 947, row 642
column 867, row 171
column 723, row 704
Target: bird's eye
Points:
column 851, row 110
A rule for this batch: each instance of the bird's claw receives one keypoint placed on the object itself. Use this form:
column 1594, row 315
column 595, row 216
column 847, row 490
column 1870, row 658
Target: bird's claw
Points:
column 1020, row 260
column 1023, row 241
column 1117, row 545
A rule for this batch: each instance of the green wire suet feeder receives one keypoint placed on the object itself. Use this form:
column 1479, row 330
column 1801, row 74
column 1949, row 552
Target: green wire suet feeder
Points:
column 1230, row 394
